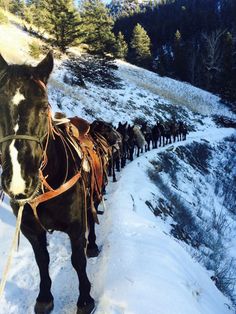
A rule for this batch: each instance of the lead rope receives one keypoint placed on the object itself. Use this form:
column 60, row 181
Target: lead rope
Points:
column 13, row 248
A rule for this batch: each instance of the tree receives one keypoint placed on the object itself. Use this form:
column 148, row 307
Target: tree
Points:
column 121, row 46
column 97, row 27
column 36, row 13
column 64, row 21
column 17, row 7
column 141, row 46
column 212, row 58
column 179, row 60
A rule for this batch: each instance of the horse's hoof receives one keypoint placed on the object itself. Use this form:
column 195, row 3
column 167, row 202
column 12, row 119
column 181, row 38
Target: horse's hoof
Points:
column 86, row 309
column 92, row 252
column 43, row 307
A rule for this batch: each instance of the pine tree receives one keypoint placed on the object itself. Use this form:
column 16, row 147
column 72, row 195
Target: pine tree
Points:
column 141, row 46
column 179, row 62
column 97, row 27
column 121, row 47
column 64, row 21
column 36, row 13
column 17, row 7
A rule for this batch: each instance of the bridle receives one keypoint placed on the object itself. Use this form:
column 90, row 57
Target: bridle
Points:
column 50, row 193
column 23, row 137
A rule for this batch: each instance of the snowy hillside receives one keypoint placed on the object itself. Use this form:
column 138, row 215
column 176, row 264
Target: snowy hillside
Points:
column 168, row 234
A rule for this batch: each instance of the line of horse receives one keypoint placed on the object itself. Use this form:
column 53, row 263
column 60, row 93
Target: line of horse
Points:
column 56, row 170
column 135, row 139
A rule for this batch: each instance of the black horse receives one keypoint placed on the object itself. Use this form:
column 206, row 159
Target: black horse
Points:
column 114, row 139
column 37, row 160
column 123, row 131
column 156, row 135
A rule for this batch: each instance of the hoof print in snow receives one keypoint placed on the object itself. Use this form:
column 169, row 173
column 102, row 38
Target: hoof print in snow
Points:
column 43, row 307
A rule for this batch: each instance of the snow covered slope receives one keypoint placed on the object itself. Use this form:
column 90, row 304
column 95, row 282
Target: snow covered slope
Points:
column 144, row 267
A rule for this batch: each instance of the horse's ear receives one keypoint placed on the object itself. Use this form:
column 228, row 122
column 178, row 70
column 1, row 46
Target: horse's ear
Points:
column 44, row 68
column 3, row 63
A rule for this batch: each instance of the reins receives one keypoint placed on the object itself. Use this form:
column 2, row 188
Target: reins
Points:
column 13, row 248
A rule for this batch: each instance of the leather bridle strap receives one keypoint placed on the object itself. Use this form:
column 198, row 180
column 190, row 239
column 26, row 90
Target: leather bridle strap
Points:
column 53, row 193
column 21, row 137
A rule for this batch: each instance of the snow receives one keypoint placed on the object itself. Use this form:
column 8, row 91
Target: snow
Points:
column 142, row 268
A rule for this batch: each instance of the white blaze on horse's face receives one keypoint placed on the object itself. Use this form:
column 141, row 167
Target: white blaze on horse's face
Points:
column 18, row 97
column 17, row 184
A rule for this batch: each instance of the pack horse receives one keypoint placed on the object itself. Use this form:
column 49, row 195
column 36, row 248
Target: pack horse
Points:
column 56, row 178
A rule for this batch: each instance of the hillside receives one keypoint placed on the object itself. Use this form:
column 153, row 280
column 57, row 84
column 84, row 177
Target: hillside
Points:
column 167, row 237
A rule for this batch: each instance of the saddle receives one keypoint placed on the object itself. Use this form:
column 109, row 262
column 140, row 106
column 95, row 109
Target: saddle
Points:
column 95, row 150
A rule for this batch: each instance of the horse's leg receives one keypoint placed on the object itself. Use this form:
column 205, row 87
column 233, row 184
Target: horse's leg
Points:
column 138, row 152
column 113, row 171
column 118, row 163
column 131, row 152
column 85, row 303
column 110, row 167
column 92, row 248
column 44, row 302
column 123, row 161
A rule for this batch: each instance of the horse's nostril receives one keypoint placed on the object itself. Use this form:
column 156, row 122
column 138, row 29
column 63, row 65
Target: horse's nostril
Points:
column 20, row 196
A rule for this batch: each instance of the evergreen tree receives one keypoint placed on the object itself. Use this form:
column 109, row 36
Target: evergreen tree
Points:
column 17, row 7
column 36, row 13
column 64, row 21
column 97, row 27
column 179, row 61
column 141, row 46
column 121, row 47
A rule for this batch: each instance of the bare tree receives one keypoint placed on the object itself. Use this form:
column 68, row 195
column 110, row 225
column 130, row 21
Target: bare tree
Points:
column 212, row 58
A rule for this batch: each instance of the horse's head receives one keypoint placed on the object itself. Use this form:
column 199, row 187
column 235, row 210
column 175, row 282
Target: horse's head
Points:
column 107, row 130
column 23, row 125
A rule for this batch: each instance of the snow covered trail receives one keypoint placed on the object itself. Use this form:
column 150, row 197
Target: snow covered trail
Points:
column 141, row 268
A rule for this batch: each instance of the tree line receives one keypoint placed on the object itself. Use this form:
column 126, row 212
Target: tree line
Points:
column 190, row 40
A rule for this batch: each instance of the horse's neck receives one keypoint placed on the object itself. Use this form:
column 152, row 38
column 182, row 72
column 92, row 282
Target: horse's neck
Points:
column 59, row 165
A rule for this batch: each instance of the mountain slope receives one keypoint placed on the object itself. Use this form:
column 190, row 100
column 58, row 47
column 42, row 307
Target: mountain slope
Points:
column 144, row 267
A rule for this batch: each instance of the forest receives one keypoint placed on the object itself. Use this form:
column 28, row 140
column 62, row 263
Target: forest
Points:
column 189, row 40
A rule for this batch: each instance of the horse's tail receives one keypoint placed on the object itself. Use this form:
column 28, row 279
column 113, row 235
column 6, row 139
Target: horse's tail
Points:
column 140, row 139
